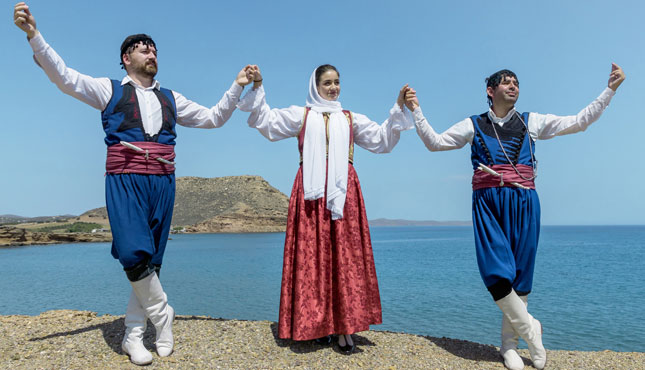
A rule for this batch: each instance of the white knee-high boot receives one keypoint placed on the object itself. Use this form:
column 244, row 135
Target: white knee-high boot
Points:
column 135, row 326
column 155, row 304
column 525, row 325
column 510, row 339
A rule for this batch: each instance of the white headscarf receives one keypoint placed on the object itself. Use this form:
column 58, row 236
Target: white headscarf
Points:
column 314, row 152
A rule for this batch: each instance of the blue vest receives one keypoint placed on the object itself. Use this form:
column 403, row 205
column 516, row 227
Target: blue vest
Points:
column 122, row 116
column 514, row 138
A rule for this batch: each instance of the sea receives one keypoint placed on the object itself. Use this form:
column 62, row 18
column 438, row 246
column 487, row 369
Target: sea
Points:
column 588, row 288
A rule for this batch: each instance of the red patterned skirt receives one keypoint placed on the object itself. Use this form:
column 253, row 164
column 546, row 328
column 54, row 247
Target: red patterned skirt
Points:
column 329, row 283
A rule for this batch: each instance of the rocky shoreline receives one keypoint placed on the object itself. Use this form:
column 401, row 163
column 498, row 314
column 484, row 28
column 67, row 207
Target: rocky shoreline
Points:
column 11, row 236
column 68, row 339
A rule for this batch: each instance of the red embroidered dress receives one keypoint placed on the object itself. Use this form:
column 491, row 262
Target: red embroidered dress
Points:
column 329, row 283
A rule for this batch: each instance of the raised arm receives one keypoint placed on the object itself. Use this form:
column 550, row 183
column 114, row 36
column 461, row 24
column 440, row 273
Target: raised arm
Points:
column 191, row 114
column 95, row 92
column 455, row 137
column 383, row 138
column 547, row 126
column 274, row 124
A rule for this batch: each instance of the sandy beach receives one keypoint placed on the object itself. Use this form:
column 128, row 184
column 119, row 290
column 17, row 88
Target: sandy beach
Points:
column 68, row 339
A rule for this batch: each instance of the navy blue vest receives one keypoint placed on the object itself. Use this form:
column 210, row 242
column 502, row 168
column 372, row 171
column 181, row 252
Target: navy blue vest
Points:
column 514, row 138
column 122, row 116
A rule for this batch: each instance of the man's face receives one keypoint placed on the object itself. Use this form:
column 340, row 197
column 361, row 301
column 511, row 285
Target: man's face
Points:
column 506, row 92
column 141, row 60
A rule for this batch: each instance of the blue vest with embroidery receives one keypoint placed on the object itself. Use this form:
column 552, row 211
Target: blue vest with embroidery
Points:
column 122, row 116
column 513, row 136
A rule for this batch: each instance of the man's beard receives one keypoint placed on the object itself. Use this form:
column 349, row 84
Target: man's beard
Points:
column 148, row 69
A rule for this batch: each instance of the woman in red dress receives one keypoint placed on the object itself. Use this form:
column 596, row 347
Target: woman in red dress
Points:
column 329, row 283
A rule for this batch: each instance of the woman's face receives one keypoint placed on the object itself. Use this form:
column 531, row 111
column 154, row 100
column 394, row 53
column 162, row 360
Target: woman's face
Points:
column 329, row 85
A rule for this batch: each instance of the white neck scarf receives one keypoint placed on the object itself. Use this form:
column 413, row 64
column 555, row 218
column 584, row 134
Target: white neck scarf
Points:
column 500, row 120
column 314, row 152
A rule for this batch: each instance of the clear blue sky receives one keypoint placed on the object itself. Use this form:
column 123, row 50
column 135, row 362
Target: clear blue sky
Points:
column 53, row 153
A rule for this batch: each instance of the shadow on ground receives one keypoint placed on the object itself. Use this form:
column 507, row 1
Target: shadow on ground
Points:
column 113, row 332
column 470, row 350
column 308, row 346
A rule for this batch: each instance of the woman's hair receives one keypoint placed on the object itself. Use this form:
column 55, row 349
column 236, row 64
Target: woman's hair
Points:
column 322, row 69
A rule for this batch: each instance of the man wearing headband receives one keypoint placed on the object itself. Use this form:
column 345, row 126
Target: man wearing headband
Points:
column 506, row 208
column 139, row 118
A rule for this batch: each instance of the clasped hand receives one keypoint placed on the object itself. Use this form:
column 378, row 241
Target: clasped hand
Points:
column 407, row 97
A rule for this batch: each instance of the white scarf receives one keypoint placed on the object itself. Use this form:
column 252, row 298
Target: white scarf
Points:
column 313, row 156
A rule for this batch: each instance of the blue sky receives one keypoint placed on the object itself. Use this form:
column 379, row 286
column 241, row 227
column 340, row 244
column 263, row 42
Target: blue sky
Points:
column 53, row 152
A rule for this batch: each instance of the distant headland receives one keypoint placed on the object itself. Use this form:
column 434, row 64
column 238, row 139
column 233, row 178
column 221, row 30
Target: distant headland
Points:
column 232, row 204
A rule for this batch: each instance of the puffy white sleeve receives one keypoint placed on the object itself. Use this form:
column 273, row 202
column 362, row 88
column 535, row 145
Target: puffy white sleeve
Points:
column 274, row 124
column 460, row 134
column 95, row 92
column 381, row 138
column 191, row 114
column 548, row 126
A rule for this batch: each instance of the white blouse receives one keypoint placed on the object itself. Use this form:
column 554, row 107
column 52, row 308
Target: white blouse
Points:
column 277, row 124
column 541, row 126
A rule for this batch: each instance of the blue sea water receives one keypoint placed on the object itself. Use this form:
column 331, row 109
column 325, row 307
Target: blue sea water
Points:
column 588, row 289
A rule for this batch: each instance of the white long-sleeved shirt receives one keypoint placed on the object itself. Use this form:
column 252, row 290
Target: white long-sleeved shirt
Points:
column 277, row 124
column 541, row 126
column 97, row 93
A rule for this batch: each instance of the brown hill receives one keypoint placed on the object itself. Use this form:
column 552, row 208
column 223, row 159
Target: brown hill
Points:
column 234, row 204
column 222, row 204
column 201, row 199
column 243, row 219
column 99, row 213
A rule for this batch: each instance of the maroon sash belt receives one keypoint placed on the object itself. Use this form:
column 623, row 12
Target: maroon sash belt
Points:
column 152, row 159
column 483, row 179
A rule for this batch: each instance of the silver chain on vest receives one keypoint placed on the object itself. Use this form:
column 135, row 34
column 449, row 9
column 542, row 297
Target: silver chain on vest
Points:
column 533, row 160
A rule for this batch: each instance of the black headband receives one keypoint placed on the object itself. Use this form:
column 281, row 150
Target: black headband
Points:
column 133, row 40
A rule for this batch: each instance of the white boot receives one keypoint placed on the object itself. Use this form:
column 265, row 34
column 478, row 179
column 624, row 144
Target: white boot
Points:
column 135, row 326
column 510, row 339
column 525, row 325
column 155, row 303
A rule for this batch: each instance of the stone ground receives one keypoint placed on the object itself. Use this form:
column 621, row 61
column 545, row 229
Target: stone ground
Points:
column 67, row 339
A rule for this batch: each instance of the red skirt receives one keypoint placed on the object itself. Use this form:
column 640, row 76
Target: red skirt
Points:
column 329, row 283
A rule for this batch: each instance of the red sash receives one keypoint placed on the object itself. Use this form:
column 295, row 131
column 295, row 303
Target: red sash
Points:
column 482, row 179
column 121, row 159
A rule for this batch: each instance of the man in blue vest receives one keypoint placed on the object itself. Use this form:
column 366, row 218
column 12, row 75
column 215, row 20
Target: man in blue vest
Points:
column 506, row 208
column 139, row 118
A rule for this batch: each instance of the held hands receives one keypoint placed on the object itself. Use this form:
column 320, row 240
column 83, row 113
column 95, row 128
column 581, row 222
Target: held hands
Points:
column 257, row 77
column 24, row 20
column 411, row 100
column 407, row 97
column 248, row 74
column 616, row 77
column 245, row 76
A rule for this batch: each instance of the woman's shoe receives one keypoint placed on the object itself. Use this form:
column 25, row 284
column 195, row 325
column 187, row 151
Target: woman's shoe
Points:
column 346, row 349
column 323, row 341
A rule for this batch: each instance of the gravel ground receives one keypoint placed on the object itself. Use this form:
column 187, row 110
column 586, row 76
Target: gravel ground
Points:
column 67, row 339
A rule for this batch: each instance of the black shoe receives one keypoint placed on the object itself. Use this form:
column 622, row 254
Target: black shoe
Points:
column 323, row 341
column 347, row 349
